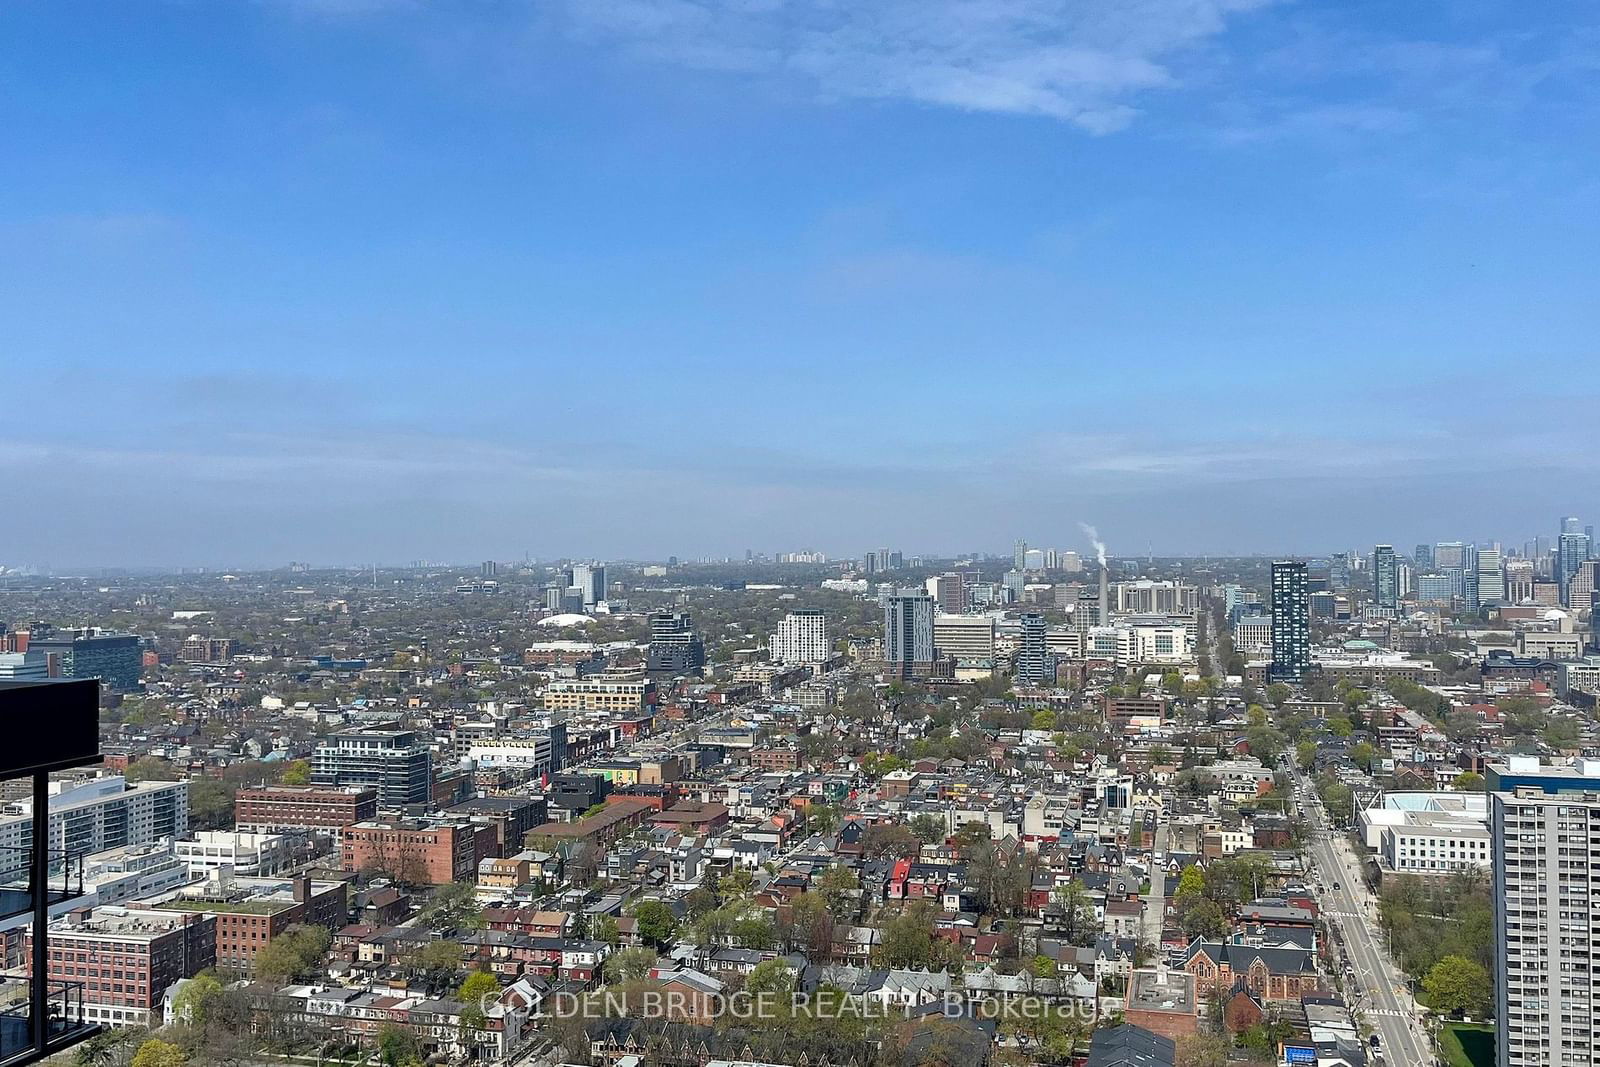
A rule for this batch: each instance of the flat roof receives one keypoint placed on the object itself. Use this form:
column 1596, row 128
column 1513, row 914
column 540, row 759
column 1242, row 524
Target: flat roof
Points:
column 248, row 906
column 1167, row 990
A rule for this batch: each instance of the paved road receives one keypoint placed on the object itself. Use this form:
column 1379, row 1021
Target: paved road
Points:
column 1155, row 912
column 1379, row 987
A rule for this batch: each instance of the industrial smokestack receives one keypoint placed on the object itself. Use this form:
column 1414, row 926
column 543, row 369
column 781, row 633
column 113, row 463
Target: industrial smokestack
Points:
column 1099, row 554
column 1105, row 596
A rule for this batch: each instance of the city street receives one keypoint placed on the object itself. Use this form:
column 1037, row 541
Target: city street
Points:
column 1155, row 910
column 1378, row 990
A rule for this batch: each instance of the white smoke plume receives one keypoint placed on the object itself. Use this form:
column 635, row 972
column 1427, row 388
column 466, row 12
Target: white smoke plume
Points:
column 1094, row 538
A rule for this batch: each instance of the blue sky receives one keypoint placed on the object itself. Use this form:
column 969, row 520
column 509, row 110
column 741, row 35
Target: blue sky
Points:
column 390, row 279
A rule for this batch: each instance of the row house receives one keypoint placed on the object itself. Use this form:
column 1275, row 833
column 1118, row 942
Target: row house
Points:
column 535, row 922
column 508, row 1024
column 922, row 881
column 512, row 954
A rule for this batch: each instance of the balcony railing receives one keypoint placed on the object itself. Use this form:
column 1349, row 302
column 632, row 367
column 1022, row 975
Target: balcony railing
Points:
column 64, row 882
column 64, row 1023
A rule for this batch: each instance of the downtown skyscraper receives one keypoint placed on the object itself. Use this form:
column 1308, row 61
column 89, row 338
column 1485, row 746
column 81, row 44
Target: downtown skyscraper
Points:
column 1572, row 548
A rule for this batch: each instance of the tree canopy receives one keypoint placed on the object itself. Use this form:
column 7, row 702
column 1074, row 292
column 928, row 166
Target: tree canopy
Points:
column 1458, row 985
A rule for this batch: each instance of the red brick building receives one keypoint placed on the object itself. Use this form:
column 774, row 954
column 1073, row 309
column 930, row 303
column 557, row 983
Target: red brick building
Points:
column 276, row 808
column 602, row 828
column 1269, row 973
column 125, row 958
column 1242, row 1009
column 775, row 759
column 253, row 911
column 416, row 852
column 1164, row 1002
column 693, row 818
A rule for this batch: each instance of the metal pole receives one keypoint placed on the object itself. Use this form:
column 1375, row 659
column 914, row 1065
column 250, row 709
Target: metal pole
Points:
column 39, row 876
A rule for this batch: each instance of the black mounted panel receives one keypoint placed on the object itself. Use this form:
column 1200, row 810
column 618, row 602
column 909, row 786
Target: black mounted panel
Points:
column 48, row 725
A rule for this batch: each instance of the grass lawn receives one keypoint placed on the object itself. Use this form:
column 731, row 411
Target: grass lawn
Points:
column 1467, row 1044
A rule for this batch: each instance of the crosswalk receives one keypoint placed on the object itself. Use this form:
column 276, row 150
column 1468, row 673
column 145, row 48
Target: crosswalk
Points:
column 1388, row 1013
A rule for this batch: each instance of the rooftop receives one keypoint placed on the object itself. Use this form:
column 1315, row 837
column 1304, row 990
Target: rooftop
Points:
column 247, row 906
column 1161, row 990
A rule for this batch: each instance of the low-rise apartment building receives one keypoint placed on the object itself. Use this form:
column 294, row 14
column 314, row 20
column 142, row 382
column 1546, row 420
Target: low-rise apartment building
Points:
column 125, row 958
column 250, row 912
column 289, row 808
column 414, row 851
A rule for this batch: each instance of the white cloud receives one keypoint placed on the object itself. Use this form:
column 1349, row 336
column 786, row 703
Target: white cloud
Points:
column 1082, row 61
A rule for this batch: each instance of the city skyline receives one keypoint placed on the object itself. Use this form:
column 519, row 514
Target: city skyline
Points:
column 911, row 559
column 354, row 279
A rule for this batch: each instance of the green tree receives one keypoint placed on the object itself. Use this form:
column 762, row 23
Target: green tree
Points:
column 736, row 884
column 151, row 769
column 1461, row 724
column 1523, row 716
column 1362, row 754
column 295, row 953
column 398, row 1045
column 1467, row 782
column 454, row 905
column 478, row 984
column 1238, row 877
column 1278, row 694
column 928, row 828
column 655, row 922
column 1202, row 1050
column 604, row 928
column 108, row 1048
column 809, row 926
column 1336, row 797
column 196, row 996
column 1203, row 917
column 890, row 841
column 755, row 930
column 1192, row 882
column 908, row 941
column 1340, row 726
column 155, row 1052
column 439, row 957
column 475, row 993
column 1561, row 733
column 210, row 804
column 836, row 885
column 628, row 965
column 298, row 772
column 1457, row 984
column 1077, row 913
column 1266, row 744
column 772, row 977
column 822, row 818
